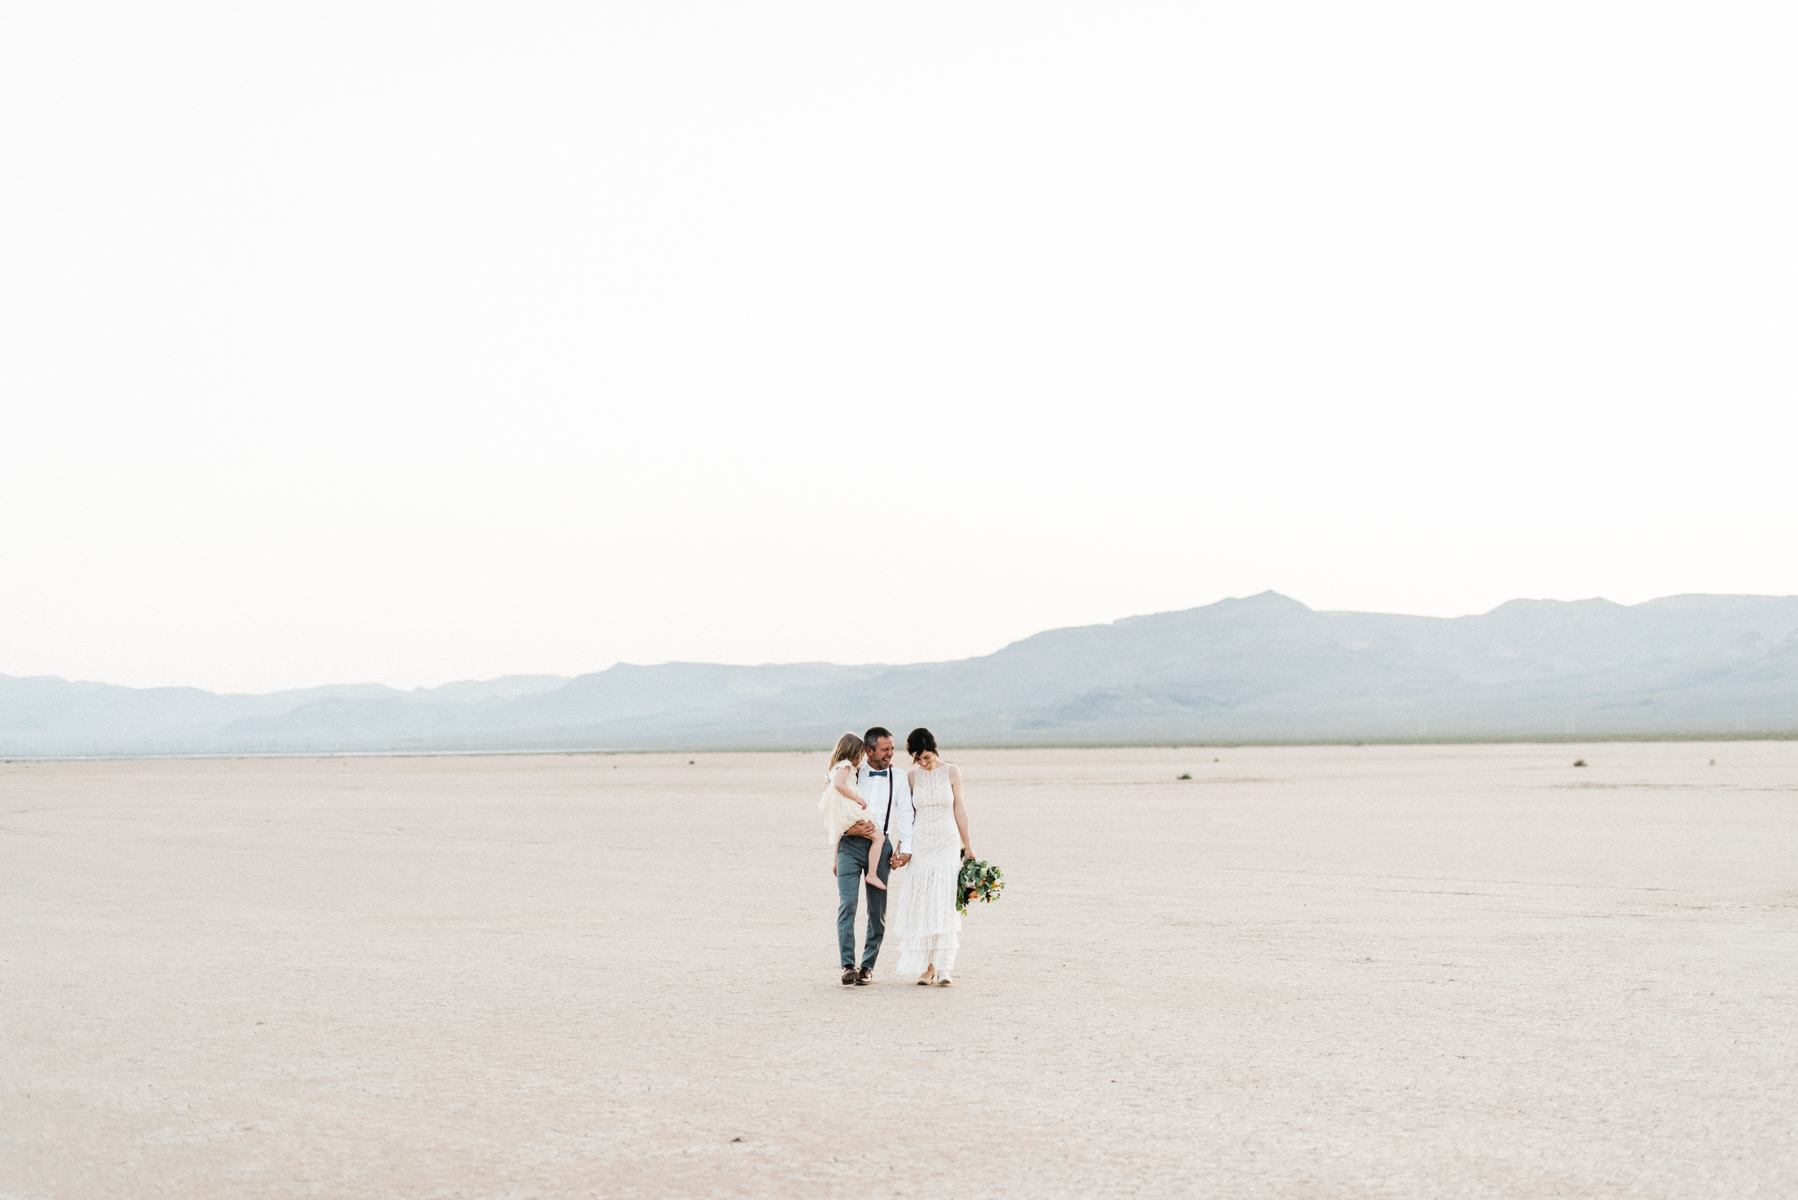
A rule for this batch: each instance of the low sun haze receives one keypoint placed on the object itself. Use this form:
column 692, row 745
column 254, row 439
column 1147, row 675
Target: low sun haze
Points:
column 409, row 344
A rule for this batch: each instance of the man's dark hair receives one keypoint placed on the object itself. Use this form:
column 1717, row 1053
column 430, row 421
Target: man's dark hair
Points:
column 874, row 735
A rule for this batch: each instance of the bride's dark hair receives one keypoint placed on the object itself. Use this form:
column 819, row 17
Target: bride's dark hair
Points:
column 918, row 741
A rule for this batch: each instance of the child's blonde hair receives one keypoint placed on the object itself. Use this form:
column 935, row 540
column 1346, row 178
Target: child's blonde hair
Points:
column 849, row 749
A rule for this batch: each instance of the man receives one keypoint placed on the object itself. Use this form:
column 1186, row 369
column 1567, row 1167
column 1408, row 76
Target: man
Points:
column 888, row 794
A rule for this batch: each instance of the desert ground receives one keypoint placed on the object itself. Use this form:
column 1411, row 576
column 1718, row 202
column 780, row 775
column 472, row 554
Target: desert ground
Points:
column 1305, row 972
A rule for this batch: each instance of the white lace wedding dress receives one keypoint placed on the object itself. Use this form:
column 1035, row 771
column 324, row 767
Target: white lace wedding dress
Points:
column 924, row 923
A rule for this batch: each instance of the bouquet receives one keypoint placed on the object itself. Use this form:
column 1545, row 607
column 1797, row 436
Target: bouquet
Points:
column 980, row 881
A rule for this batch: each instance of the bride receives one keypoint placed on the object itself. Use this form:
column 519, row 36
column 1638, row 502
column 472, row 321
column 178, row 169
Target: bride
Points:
column 924, row 920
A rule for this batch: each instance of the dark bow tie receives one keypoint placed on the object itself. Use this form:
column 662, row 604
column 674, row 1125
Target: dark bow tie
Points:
column 876, row 772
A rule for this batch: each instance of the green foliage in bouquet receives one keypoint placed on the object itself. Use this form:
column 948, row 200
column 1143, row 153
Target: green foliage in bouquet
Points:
column 980, row 881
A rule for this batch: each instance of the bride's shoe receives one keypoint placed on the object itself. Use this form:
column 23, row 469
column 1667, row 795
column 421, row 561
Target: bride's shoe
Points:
column 945, row 981
column 927, row 978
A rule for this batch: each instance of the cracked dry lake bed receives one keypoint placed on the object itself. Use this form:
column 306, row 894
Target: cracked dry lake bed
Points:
column 1305, row 972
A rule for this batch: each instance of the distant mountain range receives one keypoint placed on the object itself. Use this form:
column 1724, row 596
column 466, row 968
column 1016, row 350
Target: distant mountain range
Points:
column 1263, row 668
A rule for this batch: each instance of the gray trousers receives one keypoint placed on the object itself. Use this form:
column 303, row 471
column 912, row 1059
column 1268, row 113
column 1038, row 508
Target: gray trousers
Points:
column 852, row 860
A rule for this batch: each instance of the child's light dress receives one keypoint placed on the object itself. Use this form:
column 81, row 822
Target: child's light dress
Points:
column 840, row 812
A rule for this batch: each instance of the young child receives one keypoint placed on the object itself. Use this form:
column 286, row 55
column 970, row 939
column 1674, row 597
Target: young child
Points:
column 843, row 806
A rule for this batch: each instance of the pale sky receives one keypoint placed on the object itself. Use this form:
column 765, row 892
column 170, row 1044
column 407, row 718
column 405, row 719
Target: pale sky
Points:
column 409, row 343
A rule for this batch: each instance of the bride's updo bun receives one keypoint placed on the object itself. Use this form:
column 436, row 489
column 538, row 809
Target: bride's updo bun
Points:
column 918, row 741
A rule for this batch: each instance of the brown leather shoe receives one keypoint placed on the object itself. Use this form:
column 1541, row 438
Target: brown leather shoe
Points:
column 866, row 977
column 850, row 976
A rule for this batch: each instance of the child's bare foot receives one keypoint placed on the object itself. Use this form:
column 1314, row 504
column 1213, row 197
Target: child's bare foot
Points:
column 874, row 881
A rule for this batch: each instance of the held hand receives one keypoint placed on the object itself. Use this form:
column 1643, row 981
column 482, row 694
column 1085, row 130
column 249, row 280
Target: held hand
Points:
column 899, row 860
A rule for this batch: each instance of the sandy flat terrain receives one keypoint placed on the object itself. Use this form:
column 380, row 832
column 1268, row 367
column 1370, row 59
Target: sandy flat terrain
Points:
column 1377, row 971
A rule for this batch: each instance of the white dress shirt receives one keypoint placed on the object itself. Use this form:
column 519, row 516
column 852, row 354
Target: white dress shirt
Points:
column 874, row 789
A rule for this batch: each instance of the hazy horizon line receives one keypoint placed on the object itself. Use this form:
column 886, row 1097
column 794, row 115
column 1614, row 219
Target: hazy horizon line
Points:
column 1521, row 739
column 305, row 687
